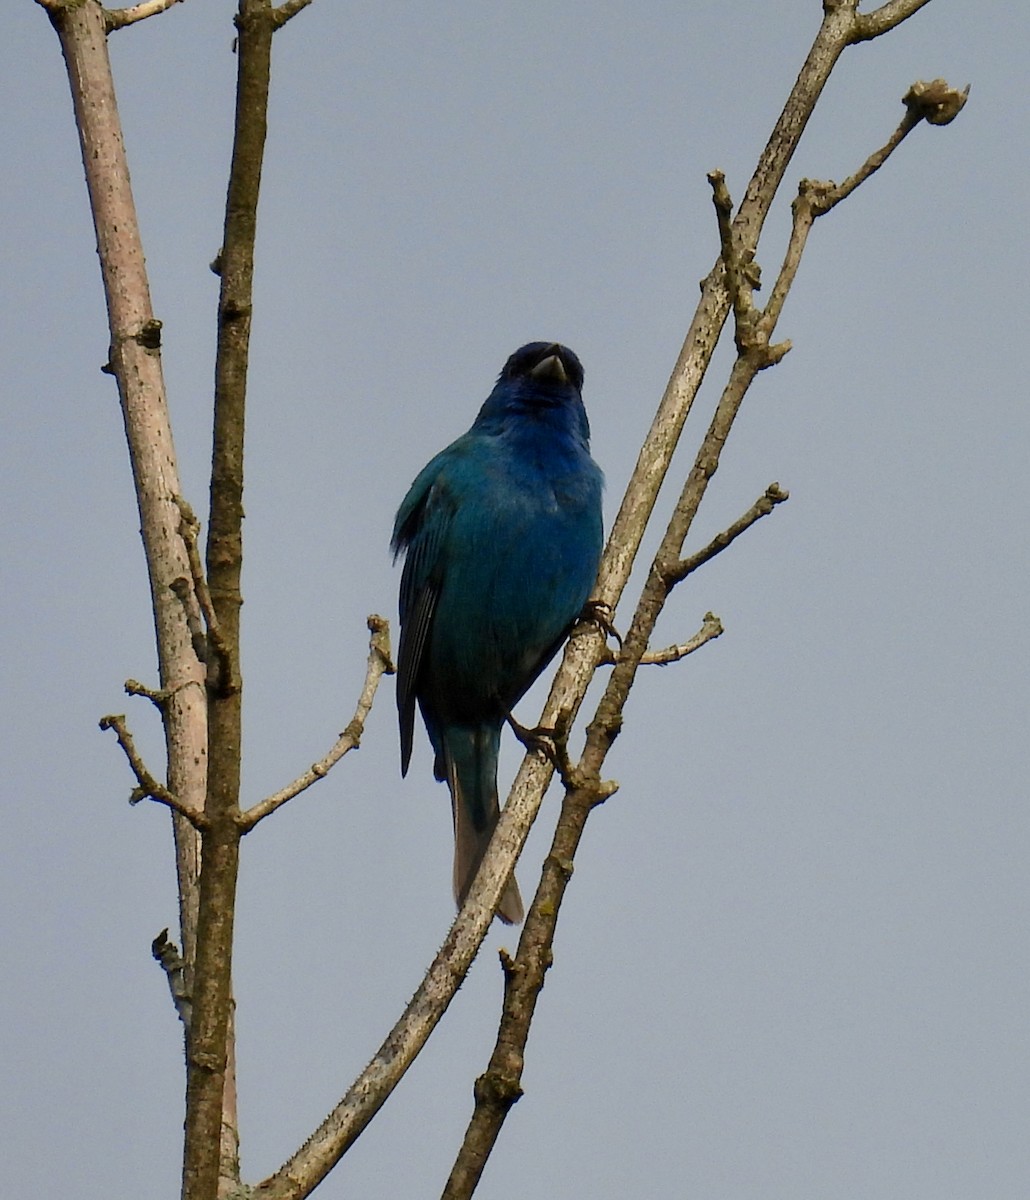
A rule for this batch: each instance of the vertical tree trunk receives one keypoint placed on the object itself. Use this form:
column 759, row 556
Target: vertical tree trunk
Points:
column 204, row 1163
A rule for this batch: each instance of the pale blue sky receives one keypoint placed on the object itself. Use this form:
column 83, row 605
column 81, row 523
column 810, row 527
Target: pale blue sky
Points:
column 793, row 963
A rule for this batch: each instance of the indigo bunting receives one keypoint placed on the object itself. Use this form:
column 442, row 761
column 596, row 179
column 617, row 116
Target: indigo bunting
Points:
column 501, row 534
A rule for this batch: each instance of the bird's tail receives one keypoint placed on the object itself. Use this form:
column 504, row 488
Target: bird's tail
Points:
column 470, row 755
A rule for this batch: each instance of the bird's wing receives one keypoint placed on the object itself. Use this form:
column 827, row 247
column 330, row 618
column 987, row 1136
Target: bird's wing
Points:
column 420, row 531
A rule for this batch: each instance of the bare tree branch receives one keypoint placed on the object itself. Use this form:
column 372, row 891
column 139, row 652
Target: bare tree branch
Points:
column 157, row 696
column 148, row 787
column 764, row 505
column 711, row 629
column 742, row 277
column 883, row 19
column 284, row 12
column 379, row 664
column 698, row 347
column 118, row 18
column 211, row 1145
column 498, row 1088
column 194, row 594
column 754, row 353
column 742, row 273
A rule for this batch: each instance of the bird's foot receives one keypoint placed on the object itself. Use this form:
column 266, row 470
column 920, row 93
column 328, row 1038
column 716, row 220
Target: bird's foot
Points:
column 600, row 614
column 539, row 737
column 551, row 742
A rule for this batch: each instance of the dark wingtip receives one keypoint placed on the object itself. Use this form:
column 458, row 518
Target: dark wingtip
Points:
column 406, row 743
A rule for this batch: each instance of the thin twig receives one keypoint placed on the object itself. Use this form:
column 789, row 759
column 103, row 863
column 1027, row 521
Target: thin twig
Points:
column 118, row 18
column 825, row 198
column 189, row 531
column 159, row 697
column 167, row 954
column 184, row 592
column 742, row 272
column 764, row 505
column 379, row 664
column 743, row 276
column 148, row 788
column 709, row 631
column 711, row 628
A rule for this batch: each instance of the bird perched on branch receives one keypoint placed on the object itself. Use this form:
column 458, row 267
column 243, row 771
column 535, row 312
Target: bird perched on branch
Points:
column 501, row 534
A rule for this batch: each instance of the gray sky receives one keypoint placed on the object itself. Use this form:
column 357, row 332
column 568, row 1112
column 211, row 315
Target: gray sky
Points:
column 793, row 961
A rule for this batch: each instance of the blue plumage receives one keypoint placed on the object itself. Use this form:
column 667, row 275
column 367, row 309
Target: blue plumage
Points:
column 501, row 533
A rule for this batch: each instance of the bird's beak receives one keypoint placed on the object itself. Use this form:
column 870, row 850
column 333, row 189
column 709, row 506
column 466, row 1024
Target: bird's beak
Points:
column 551, row 368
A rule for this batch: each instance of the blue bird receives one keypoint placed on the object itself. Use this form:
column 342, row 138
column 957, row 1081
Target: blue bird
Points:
column 501, row 534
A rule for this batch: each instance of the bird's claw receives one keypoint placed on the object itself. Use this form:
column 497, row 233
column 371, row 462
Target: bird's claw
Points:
column 550, row 742
column 600, row 614
column 540, row 738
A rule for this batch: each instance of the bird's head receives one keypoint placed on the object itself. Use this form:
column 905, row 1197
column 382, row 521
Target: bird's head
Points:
column 542, row 381
column 545, row 367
